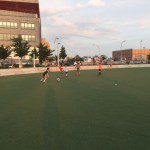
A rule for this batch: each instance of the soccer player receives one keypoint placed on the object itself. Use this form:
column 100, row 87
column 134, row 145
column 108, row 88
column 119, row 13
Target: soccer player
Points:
column 100, row 68
column 78, row 65
column 61, row 69
column 45, row 75
column 110, row 65
column 66, row 71
column 60, row 73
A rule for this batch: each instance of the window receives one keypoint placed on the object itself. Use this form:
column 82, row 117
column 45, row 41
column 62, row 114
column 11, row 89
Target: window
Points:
column 4, row 24
column 1, row 36
column 14, row 25
column 33, row 26
column 30, row 38
column 33, row 38
column 22, row 25
column 16, row 36
column 12, row 37
column 1, row 24
column 8, row 24
column 7, row 37
column 28, row 26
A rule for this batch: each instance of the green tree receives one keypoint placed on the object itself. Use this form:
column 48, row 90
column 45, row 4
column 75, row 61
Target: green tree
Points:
column 103, row 57
column 44, row 53
column 4, row 53
column 62, row 54
column 70, row 61
column 78, row 58
column 34, row 54
column 21, row 48
column 148, row 57
column 51, row 57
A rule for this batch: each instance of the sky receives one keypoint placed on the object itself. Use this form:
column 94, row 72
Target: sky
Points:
column 93, row 27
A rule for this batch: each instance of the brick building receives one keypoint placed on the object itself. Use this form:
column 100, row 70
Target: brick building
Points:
column 20, row 17
column 131, row 54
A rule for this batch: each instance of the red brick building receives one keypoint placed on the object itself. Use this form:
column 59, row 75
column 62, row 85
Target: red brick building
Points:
column 131, row 54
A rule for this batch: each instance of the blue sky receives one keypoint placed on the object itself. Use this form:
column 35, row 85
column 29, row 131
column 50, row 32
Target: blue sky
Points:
column 81, row 23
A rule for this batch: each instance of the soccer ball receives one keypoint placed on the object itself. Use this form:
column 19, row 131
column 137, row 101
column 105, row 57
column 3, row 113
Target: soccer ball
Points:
column 58, row 79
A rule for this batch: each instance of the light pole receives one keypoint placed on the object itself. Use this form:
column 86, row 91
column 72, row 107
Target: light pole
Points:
column 141, row 44
column 57, row 49
column 97, row 46
column 121, row 47
column 34, row 60
column 122, row 44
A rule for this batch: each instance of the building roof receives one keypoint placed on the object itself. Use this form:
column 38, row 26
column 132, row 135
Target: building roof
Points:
column 30, row 1
column 25, row 7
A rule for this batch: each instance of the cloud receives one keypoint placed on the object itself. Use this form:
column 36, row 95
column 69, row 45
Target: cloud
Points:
column 89, row 29
column 91, row 3
column 123, row 3
column 73, row 21
column 55, row 10
column 70, row 8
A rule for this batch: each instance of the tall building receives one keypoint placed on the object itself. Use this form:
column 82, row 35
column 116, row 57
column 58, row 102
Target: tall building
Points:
column 20, row 17
column 131, row 54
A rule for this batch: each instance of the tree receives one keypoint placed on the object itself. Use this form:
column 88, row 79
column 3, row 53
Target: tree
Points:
column 62, row 54
column 148, row 57
column 103, row 57
column 78, row 58
column 34, row 54
column 70, row 61
column 4, row 52
column 44, row 53
column 21, row 48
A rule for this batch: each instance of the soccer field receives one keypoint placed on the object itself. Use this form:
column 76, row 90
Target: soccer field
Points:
column 89, row 112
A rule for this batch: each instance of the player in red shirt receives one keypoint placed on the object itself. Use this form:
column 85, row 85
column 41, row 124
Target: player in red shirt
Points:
column 61, row 69
column 100, row 68
column 60, row 73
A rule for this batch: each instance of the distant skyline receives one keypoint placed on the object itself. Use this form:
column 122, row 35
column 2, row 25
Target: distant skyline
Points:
column 81, row 23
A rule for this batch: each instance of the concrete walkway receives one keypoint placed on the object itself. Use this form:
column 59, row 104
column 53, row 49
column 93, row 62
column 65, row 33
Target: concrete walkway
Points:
column 9, row 72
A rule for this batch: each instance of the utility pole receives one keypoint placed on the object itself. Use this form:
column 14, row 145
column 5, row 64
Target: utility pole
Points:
column 57, row 49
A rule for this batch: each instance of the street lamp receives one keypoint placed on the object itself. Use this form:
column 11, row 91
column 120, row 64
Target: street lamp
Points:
column 97, row 46
column 122, row 44
column 121, row 47
column 57, row 49
column 141, row 44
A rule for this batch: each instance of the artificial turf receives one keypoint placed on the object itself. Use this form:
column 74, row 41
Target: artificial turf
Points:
column 89, row 112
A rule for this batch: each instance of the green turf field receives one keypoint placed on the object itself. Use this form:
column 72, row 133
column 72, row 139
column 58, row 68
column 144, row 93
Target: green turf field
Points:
column 81, row 113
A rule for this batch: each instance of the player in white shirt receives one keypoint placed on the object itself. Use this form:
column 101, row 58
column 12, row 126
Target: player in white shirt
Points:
column 66, row 71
